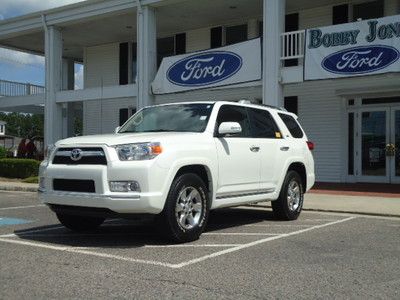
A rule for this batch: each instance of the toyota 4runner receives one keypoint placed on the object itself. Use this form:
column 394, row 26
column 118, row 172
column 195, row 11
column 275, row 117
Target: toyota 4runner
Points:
column 178, row 162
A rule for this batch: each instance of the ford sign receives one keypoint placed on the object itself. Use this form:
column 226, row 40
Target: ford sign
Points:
column 360, row 60
column 204, row 69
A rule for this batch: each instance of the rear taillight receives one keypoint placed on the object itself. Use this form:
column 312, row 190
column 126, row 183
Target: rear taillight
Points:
column 310, row 145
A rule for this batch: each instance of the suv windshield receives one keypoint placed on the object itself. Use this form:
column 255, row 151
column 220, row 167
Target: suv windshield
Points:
column 176, row 117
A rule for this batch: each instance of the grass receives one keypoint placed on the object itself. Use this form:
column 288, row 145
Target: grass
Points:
column 34, row 179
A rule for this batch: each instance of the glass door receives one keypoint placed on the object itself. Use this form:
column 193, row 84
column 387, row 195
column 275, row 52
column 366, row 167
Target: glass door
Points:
column 373, row 139
column 393, row 147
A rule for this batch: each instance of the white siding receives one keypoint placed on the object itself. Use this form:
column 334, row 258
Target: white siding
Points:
column 322, row 115
column 101, row 65
column 198, row 39
column 103, row 116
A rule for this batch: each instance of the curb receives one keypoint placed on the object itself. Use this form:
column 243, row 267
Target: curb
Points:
column 338, row 211
column 12, row 188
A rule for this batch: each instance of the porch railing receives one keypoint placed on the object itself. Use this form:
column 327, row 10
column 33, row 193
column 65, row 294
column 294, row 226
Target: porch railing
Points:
column 11, row 88
column 292, row 45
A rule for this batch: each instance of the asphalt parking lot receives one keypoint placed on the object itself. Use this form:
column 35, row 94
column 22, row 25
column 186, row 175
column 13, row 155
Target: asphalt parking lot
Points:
column 244, row 253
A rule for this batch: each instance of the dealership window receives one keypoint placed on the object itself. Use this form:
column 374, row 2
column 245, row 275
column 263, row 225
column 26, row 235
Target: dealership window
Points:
column 291, row 104
column 180, row 43
column 235, row 34
column 125, row 114
column 127, row 63
column 340, row 14
column 169, row 46
column 1, row 128
column 291, row 24
column 368, row 10
column 350, row 166
column 221, row 36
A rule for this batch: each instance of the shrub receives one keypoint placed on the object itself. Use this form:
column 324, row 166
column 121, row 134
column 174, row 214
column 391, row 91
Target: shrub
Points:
column 18, row 168
column 3, row 152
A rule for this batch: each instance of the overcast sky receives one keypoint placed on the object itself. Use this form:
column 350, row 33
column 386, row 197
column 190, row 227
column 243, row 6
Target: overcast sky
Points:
column 22, row 67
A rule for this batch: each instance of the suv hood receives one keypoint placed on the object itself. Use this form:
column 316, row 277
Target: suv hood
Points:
column 123, row 138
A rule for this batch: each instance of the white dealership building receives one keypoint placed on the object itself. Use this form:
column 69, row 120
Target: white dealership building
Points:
column 336, row 63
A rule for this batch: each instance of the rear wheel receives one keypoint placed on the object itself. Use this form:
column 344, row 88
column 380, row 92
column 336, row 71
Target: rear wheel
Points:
column 186, row 209
column 79, row 223
column 290, row 202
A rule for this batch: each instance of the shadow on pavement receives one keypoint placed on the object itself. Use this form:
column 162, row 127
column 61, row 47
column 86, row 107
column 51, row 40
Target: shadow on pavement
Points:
column 121, row 233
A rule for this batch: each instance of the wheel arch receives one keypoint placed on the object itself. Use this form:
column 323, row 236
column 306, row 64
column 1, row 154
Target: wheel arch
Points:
column 300, row 168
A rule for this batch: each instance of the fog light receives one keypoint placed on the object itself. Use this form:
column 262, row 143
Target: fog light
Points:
column 42, row 184
column 124, row 186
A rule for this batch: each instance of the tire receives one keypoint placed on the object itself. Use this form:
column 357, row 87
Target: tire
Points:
column 290, row 202
column 79, row 223
column 186, row 209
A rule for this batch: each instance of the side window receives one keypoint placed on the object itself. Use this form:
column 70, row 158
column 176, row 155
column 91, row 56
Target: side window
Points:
column 292, row 125
column 230, row 113
column 262, row 124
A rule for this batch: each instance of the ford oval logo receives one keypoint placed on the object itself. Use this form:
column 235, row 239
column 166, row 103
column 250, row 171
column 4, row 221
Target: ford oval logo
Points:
column 204, row 69
column 361, row 60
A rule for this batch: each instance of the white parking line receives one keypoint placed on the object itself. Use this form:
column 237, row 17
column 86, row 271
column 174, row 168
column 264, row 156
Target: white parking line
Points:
column 276, row 225
column 19, row 207
column 251, row 244
column 80, row 250
column 194, row 245
column 240, row 233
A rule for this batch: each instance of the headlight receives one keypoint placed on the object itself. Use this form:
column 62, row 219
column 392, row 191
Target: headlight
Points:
column 140, row 151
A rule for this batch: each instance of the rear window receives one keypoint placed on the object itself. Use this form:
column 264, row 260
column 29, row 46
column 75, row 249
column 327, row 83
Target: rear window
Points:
column 292, row 125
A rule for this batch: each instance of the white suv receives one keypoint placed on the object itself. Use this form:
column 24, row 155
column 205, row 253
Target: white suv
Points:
column 178, row 162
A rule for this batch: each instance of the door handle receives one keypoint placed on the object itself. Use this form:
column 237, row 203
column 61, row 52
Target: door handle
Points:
column 254, row 149
column 284, row 148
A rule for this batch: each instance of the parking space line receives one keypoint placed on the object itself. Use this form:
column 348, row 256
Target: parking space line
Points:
column 19, row 207
column 239, row 247
column 194, row 245
column 86, row 252
column 276, row 225
column 251, row 244
column 240, row 233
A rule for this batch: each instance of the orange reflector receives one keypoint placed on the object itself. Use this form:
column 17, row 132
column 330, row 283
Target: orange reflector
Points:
column 156, row 149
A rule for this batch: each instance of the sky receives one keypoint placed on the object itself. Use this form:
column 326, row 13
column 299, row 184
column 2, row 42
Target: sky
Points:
column 23, row 67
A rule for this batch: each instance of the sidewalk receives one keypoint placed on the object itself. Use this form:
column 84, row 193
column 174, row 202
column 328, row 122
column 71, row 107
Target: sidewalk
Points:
column 316, row 200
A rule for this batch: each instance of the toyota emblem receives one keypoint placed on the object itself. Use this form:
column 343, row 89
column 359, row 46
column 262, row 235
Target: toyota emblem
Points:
column 76, row 154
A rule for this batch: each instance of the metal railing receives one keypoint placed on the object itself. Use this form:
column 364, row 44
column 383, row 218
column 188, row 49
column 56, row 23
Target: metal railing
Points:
column 292, row 45
column 11, row 88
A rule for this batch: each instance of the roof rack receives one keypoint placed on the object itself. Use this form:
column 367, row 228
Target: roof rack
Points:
column 244, row 101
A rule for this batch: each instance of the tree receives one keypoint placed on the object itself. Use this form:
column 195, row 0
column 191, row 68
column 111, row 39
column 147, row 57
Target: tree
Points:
column 23, row 125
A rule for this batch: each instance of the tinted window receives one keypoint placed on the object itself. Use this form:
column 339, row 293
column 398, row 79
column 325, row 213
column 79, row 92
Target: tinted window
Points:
column 291, row 104
column 368, row 10
column 292, row 126
column 262, row 124
column 216, row 37
column 230, row 113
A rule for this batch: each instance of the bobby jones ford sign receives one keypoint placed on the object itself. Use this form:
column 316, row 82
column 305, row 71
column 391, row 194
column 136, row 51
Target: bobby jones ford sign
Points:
column 359, row 48
column 223, row 66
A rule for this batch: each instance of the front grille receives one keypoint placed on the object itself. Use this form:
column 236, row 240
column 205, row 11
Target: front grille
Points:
column 89, row 156
column 74, row 185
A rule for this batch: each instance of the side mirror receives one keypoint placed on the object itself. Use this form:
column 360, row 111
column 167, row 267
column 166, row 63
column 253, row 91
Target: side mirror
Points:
column 117, row 129
column 229, row 128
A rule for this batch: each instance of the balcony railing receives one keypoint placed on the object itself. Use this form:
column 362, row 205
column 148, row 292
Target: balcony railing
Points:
column 292, row 45
column 11, row 88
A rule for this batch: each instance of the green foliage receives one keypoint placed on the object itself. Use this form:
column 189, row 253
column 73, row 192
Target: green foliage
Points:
column 3, row 152
column 33, row 179
column 18, row 168
column 23, row 125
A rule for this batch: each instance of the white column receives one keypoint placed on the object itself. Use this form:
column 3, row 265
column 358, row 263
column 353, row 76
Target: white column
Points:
column 146, row 54
column 68, row 82
column 273, row 26
column 52, row 110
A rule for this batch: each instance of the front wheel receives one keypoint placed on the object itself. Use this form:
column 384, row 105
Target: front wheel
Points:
column 290, row 202
column 186, row 209
column 79, row 223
